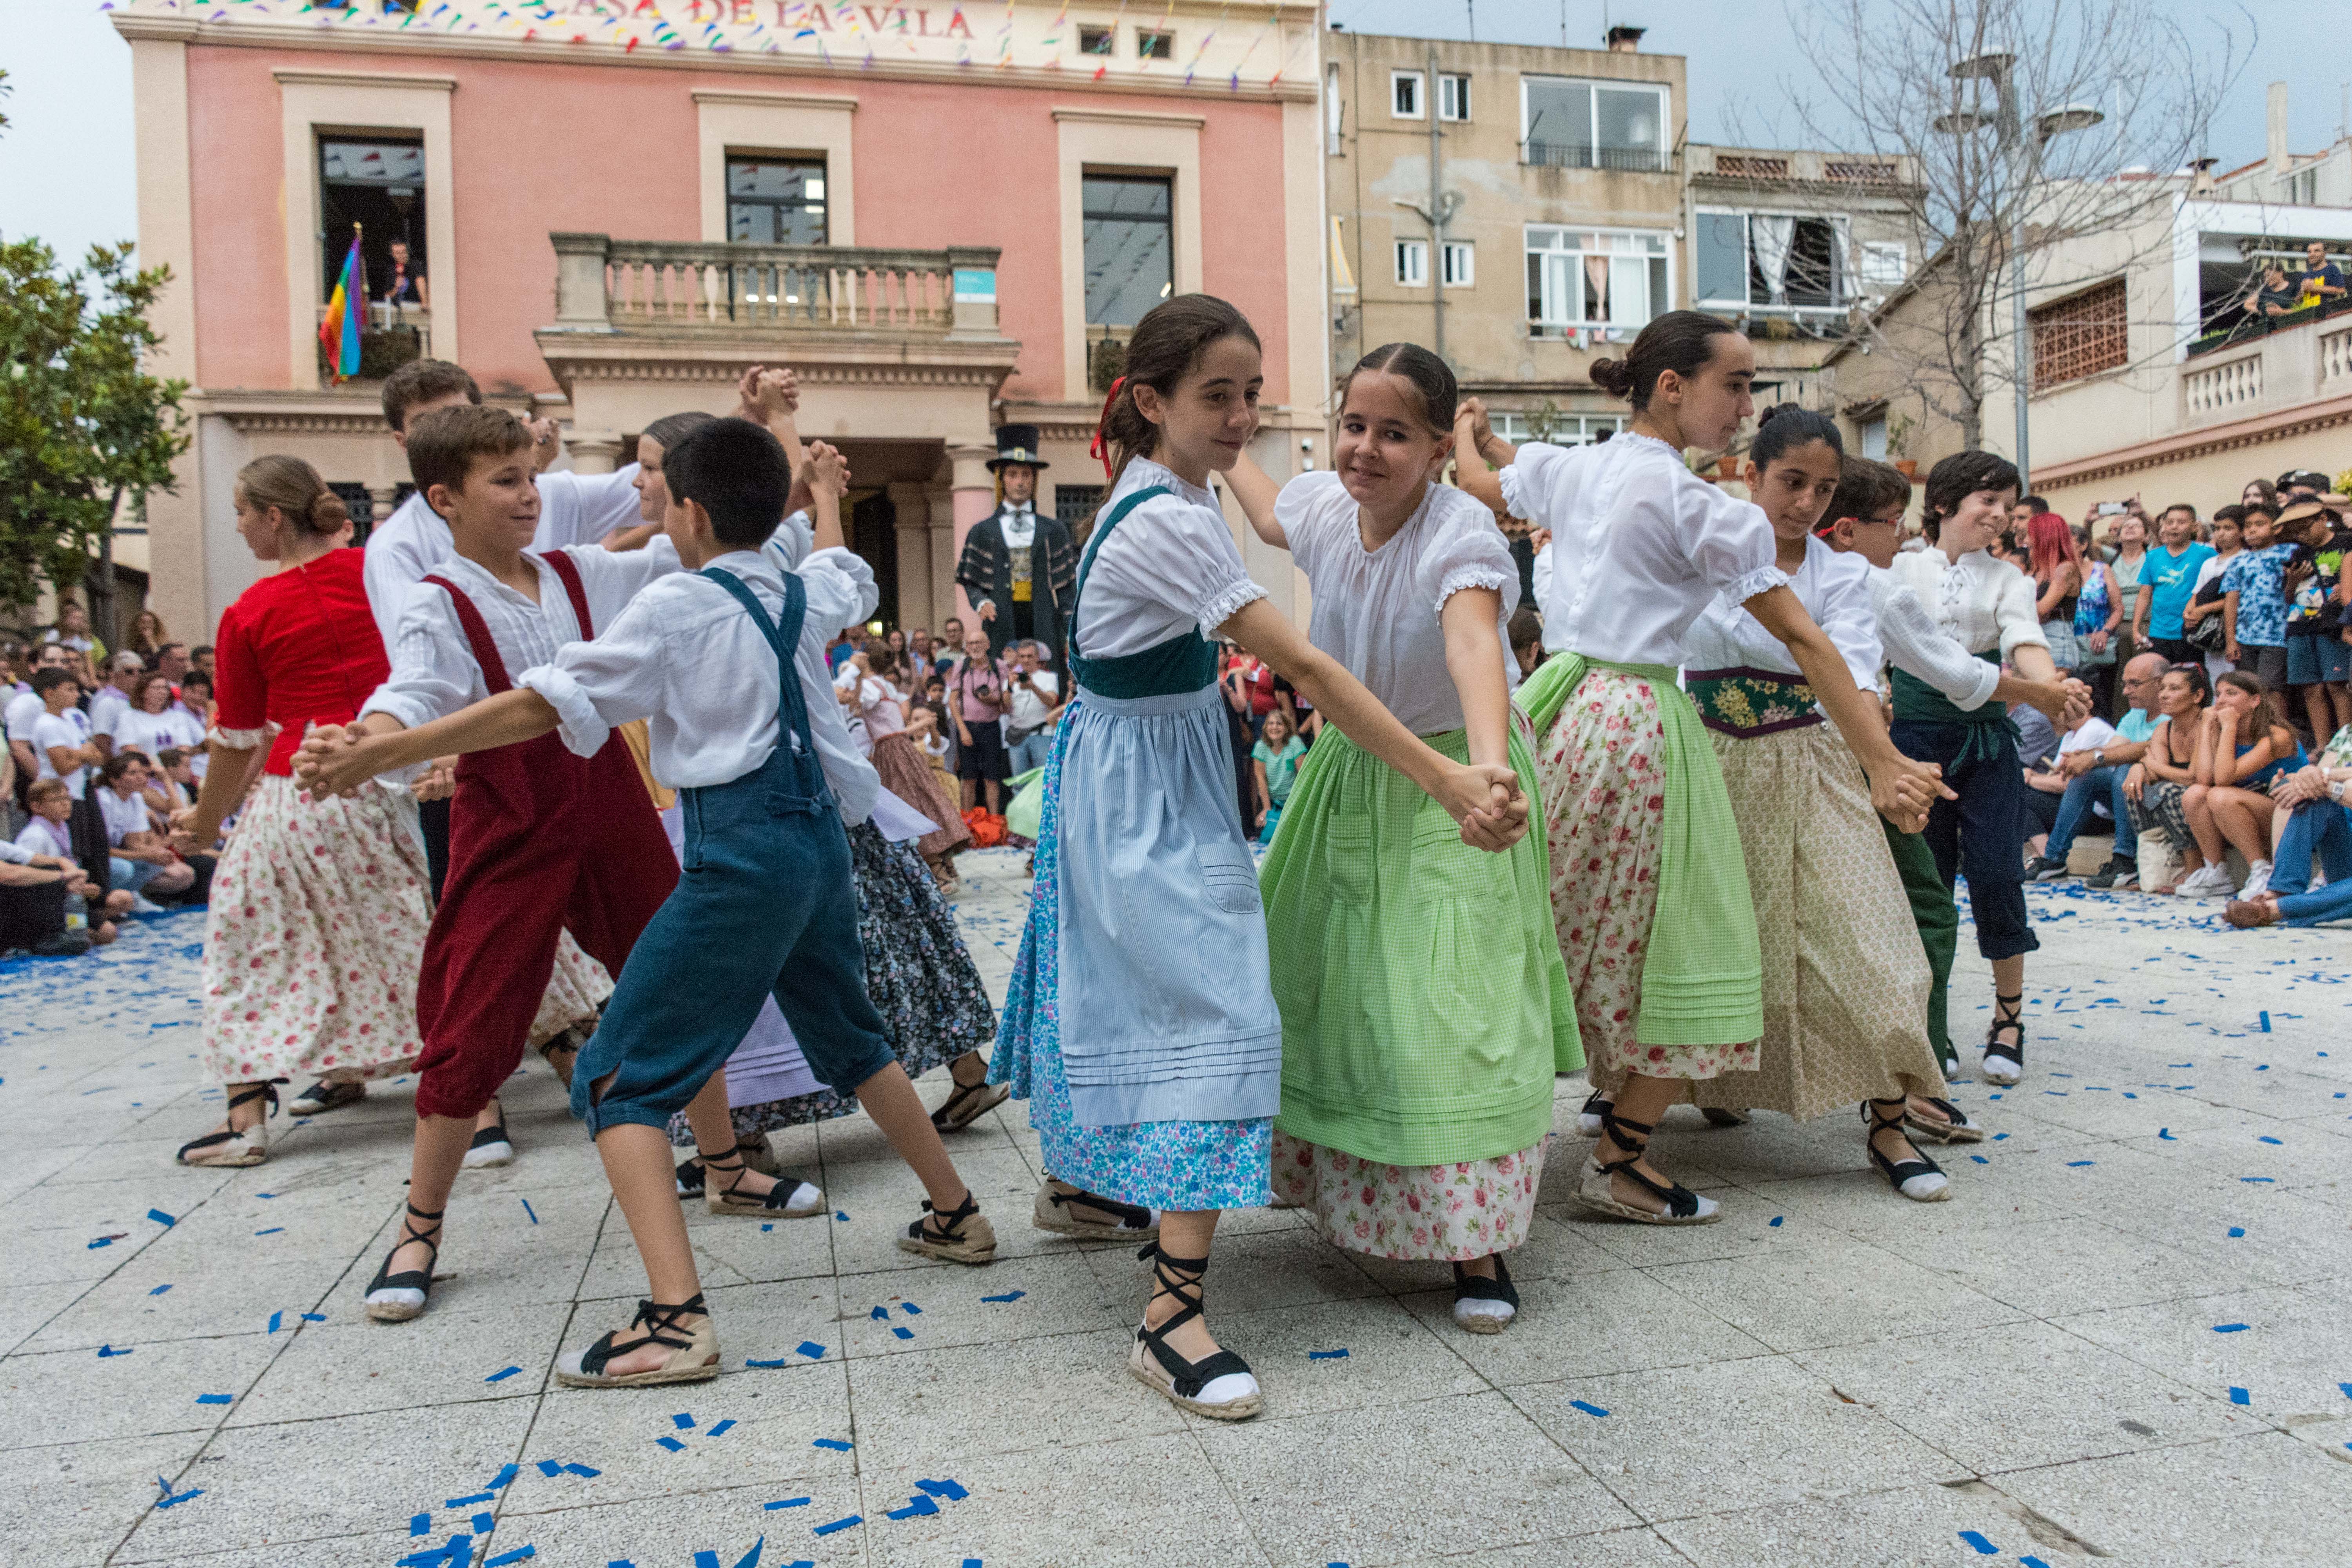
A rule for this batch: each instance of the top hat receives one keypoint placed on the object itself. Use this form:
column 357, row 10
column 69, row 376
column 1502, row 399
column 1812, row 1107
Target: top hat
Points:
column 1016, row 444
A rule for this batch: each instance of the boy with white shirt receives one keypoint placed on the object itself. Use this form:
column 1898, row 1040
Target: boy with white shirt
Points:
column 111, row 700
column 63, row 750
column 728, row 662
column 540, row 839
column 27, row 706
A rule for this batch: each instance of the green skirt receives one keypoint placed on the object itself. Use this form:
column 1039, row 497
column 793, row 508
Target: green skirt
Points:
column 1424, row 1007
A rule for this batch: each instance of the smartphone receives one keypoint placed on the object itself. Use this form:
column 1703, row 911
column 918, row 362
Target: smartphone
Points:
column 2113, row 508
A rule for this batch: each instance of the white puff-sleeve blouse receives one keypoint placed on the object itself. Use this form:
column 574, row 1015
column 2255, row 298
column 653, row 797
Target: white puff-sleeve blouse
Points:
column 1640, row 545
column 1978, row 600
column 1376, row 611
column 1835, row 590
column 1171, row 566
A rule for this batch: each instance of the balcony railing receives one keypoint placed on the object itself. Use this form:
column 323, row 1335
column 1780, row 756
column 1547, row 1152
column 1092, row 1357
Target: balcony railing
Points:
column 1579, row 155
column 2267, row 372
column 629, row 285
column 2249, row 328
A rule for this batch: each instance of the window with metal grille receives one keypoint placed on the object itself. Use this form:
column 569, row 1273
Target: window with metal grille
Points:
column 1748, row 166
column 2081, row 336
column 1866, row 171
column 1075, row 504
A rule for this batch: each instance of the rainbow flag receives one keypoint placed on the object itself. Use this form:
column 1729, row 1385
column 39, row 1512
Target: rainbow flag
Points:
column 338, row 334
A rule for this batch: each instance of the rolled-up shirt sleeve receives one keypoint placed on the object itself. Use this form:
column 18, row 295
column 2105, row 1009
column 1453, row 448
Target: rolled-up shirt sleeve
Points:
column 835, row 590
column 865, row 592
column 2013, row 609
column 432, row 671
column 597, row 687
column 1918, row 646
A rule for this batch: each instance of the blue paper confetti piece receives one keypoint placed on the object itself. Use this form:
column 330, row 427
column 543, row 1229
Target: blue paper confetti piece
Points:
column 2262, row 1181
column 213, row 1399
column 506, row 1473
column 314, row 1316
column 779, row 1361
column 420, row 1524
column 902, row 1331
column 101, row 1241
column 836, row 1443
column 2236, row 1231
column 105, row 1352
column 2229, row 1328
column 275, row 1318
column 173, row 1500
column 840, row 1214
column 483, row 1523
column 720, row 1428
column 550, row 1467
column 1981, row 1159
column 273, row 1230
column 672, row 1444
column 159, row 1289
column 531, row 1211
column 910, row 1309
column 469, row 1502
column 2266, row 1023
column 951, row 1490
column 1588, row 1409
column 880, row 1314
column 916, row 1505
column 1327, row 1355
column 1775, row 1221
column 2266, row 1137
column 2032, row 1563
column 787, row 1502
column 810, row 1349
column 160, row 1217
column 1984, row 1548
column 2240, row 1396
column 838, row 1524
column 519, row 1555
column 1008, row 1296
column 2077, row 1165
column 582, row 1472
column 457, row 1552
column 682, row 1421
column 2166, row 1133
column 502, row 1376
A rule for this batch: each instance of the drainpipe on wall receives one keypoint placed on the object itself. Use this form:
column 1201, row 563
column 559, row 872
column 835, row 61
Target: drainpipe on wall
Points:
column 1437, row 213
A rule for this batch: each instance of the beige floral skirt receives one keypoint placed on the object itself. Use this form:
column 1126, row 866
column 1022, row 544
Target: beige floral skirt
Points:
column 314, row 936
column 1604, row 808
column 1443, row 1214
column 1846, row 981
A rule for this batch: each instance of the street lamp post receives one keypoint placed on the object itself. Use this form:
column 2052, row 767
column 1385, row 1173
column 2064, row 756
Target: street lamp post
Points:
column 2022, row 160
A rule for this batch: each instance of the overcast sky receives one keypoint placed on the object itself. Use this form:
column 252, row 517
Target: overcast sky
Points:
column 65, row 161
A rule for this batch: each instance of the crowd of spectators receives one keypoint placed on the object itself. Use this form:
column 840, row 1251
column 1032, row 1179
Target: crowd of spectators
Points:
column 102, row 747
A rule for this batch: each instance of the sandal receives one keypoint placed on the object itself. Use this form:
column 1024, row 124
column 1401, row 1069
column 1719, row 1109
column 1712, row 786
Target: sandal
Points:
column 1594, row 1113
column 2004, row 1063
column 1050, row 1214
column 491, row 1146
column 396, row 1298
column 1598, row 1194
column 1918, row 1178
column 960, row 1234
column 233, row 1147
column 1957, row 1128
column 691, row 1179
column 1222, row 1387
column 968, row 1104
column 1485, row 1306
column 693, row 1358
column 563, row 1050
column 790, row 1198
column 325, row 1095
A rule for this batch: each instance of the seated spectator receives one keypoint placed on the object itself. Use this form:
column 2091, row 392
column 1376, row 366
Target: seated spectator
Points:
column 140, row 859
column 1274, row 763
column 2092, row 779
column 156, row 719
column 172, row 786
column 2157, row 789
column 2242, row 746
column 172, row 659
column 64, row 749
column 2313, row 820
column 72, row 631
column 2319, row 584
column 2046, row 781
column 147, row 635
column 47, row 845
column 200, row 659
column 111, row 700
column 196, row 698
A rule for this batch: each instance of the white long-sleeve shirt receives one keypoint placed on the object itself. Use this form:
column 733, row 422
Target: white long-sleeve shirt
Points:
column 434, row 671
column 685, row 655
column 1979, row 601
column 1918, row 646
column 573, row 508
column 1640, row 545
column 1834, row 590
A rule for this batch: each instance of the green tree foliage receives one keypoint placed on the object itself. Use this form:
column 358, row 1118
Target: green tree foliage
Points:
column 83, row 425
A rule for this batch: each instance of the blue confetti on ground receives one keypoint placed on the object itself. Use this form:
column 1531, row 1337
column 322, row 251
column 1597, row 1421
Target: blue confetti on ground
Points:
column 951, row 1490
column 838, row 1524
column 721, row 1429
column 529, row 1210
column 2237, row 1230
column 787, row 1502
column 682, row 1421
column 918, row 1504
column 2228, row 1327
column 519, row 1554
column 1775, row 1221
column 902, row 1331
column 1008, row 1296
column 672, row 1444
column 420, row 1524
column 836, row 1443
column 1326, row 1356
column 502, row 1376
column 810, row 1349
column 469, row 1502
column 213, row 1398
column 160, row 1217
column 1588, row 1409
column 1984, row 1548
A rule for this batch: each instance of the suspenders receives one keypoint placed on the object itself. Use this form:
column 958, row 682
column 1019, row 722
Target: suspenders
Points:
column 478, row 631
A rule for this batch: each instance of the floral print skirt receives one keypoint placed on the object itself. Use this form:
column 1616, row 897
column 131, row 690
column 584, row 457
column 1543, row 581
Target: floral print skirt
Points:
column 1604, row 806
column 1430, row 1214
column 917, row 972
column 313, row 939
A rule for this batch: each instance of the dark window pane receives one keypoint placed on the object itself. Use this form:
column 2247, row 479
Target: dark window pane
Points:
column 1559, row 115
column 1129, row 250
column 1722, row 256
column 1628, row 120
column 776, row 201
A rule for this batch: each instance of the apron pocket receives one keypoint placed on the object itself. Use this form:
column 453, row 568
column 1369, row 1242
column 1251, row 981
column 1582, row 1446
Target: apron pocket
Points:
column 1229, row 877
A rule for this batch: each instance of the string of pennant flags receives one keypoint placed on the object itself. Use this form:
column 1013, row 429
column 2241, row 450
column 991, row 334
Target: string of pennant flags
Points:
column 833, row 31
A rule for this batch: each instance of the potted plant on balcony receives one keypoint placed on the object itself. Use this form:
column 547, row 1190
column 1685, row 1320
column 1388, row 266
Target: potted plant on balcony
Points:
column 1899, row 431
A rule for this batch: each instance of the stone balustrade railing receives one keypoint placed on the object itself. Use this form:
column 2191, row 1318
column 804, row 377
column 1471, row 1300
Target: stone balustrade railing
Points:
column 604, row 284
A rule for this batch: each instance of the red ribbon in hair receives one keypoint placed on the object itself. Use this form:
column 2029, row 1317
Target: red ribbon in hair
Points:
column 1100, row 450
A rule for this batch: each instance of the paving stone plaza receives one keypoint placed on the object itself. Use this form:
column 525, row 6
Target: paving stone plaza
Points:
column 2125, row 1336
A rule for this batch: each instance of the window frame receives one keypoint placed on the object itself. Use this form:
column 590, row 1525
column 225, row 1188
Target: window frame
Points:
column 1087, row 215
column 1467, row 251
column 1660, row 303
column 1335, row 112
column 1399, row 251
column 1845, row 278
column 1108, row 38
column 1594, row 87
column 1460, row 82
column 1511, row 425
column 1155, row 43
column 733, row 157
column 1399, row 78
column 2102, row 345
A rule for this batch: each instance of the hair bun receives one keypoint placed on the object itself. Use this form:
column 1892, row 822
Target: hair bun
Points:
column 1775, row 412
column 1613, row 376
column 328, row 513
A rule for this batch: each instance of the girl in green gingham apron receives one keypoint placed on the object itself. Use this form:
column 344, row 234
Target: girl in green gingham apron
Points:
column 1424, row 1009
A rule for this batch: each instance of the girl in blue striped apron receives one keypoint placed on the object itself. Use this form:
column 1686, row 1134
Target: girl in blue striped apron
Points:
column 1140, row 1024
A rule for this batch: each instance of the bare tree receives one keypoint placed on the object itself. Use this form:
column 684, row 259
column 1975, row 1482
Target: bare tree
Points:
column 2028, row 124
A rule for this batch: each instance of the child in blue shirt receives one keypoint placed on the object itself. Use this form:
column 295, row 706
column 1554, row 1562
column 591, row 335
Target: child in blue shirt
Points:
column 2253, row 602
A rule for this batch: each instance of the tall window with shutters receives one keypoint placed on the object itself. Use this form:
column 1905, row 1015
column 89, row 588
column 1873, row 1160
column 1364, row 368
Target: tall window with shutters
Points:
column 2081, row 335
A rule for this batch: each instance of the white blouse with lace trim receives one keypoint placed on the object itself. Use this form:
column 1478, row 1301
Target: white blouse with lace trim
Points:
column 1170, row 567
column 1376, row 611
column 1640, row 545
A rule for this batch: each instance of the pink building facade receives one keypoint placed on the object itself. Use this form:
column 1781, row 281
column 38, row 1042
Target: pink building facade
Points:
column 947, row 234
